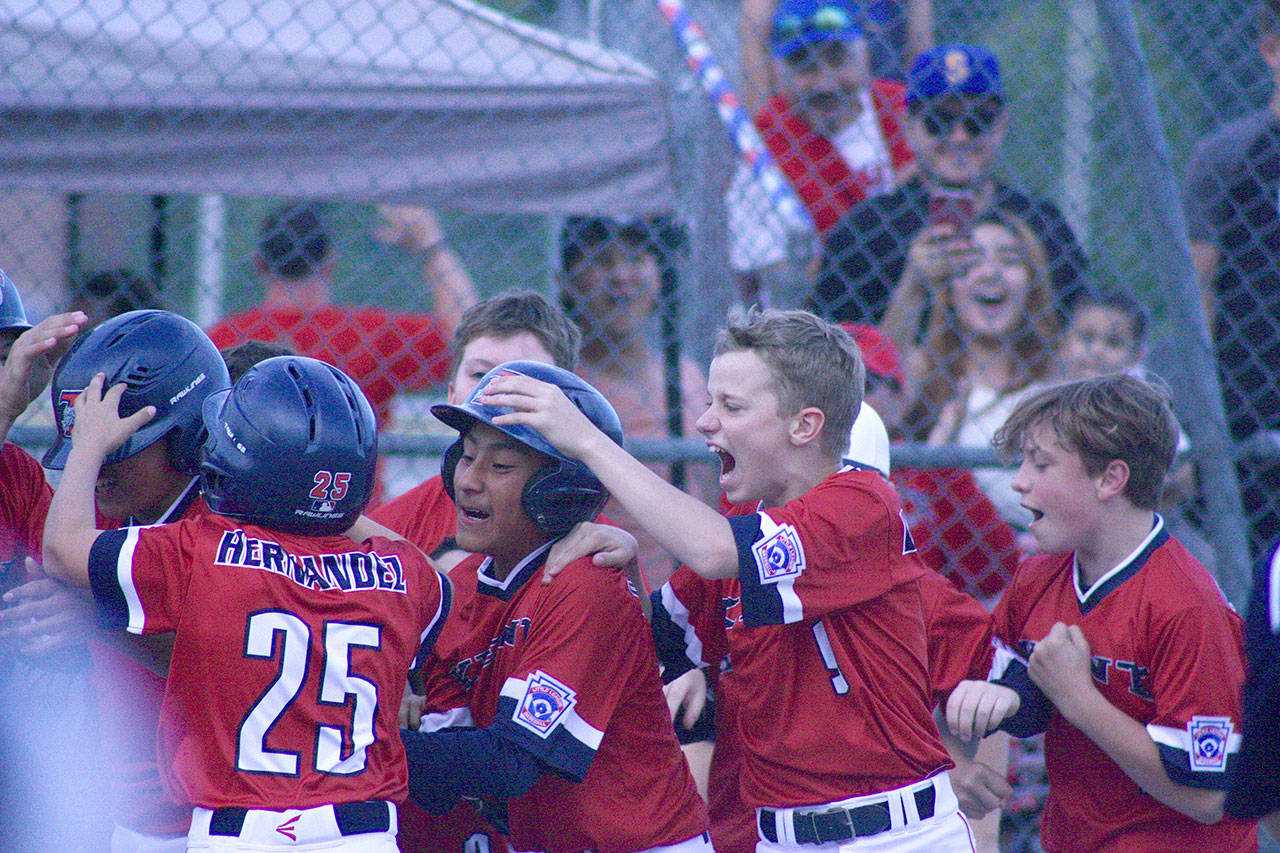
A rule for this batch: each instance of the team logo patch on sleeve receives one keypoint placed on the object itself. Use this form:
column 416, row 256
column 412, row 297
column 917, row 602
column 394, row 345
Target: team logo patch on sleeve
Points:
column 779, row 555
column 1209, row 739
column 545, row 703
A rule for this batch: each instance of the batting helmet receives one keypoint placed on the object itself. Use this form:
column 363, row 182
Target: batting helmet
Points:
column 13, row 317
column 293, row 446
column 564, row 491
column 167, row 362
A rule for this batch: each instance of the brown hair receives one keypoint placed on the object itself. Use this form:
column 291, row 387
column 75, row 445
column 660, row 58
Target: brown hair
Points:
column 811, row 362
column 944, row 353
column 518, row 311
column 1102, row 419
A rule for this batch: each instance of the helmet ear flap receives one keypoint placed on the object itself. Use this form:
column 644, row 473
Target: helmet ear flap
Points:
column 559, row 495
column 449, row 464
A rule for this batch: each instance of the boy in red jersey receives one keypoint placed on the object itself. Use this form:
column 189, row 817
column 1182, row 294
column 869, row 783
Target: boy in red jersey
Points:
column 1113, row 641
column 557, row 685
column 292, row 641
column 825, row 623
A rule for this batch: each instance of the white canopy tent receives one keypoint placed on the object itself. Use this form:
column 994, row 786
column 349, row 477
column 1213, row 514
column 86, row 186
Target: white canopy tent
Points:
column 444, row 102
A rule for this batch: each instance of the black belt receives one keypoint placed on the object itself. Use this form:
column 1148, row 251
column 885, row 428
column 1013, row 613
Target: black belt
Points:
column 824, row 827
column 353, row 818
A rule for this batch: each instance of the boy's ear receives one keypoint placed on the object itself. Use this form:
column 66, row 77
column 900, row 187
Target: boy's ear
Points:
column 806, row 425
column 1112, row 480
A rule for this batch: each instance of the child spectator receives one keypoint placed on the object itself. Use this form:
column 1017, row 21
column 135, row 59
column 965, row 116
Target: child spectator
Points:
column 291, row 642
column 820, row 587
column 1113, row 640
column 560, row 680
column 1105, row 333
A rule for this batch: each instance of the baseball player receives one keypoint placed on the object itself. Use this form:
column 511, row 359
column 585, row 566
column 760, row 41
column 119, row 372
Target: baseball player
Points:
column 825, row 628
column 1255, row 792
column 170, row 364
column 291, row 641
column 688, row 624
column 1113, row 640
column 516, row 325
column 559, row 681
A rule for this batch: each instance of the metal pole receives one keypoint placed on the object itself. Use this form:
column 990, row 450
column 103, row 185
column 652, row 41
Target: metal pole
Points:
column 1200, row 406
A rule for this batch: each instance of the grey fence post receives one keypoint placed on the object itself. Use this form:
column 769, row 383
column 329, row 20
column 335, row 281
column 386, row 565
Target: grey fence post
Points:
column 1200, row 401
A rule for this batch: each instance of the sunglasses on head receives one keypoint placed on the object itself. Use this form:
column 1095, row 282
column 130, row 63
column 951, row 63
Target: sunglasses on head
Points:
column 976, row 121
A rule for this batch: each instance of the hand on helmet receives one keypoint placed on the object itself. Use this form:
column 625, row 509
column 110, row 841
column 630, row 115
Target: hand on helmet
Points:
column 98, row 426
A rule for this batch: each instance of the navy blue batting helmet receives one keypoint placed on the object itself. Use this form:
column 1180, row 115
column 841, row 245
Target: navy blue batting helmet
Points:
column 166, row 360
column 292, row 446
column 564, row 491
column 13, row 317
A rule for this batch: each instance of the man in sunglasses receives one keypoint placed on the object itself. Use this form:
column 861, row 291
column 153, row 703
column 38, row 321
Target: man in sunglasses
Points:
column 956, row 122
column 834, row 133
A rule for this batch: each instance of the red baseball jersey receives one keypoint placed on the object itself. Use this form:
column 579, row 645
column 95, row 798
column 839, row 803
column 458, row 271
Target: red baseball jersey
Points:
column 385, row 353
column 24, row 503
column 1167, row 650
column 959, row 647
column 826, row 640
column 426, row 516
column 289, row 658
column 567, row 670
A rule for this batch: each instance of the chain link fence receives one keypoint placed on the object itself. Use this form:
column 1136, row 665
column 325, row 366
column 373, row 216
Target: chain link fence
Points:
column 146, row 142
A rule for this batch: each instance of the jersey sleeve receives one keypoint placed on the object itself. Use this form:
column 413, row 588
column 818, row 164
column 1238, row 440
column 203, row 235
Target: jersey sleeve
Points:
column 839, row 545
column 138, row 576
column 24, row 505
column 1197, row 674
column 688, row 624
column 1009, row 666
column 574, row 670
column 959, row 634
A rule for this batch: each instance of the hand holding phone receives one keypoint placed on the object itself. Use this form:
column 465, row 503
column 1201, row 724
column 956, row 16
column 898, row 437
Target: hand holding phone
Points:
column 956, row 209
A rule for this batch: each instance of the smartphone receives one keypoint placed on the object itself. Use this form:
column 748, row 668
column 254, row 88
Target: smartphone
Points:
column 952, row 208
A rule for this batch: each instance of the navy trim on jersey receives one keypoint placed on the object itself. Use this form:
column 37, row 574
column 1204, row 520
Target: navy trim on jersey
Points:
column 761, row 604
column 446, row 765
column 669, row 641
column 429, row 639
column 1035, row 710
column 104, row 580
column 506, row 588
column 559, row 750
column 1176, row 764
column 1122, row 573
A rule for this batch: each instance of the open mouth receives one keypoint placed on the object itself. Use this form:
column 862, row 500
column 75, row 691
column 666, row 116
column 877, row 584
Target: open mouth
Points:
column 727, row 462
column 1036, row 514
column 472, row 514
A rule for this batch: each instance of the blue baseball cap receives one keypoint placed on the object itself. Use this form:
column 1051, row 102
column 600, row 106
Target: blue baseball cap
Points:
column 800, row 23
column 954, row 69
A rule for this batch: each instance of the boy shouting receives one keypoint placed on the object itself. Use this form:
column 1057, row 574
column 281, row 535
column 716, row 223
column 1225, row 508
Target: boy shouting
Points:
column 825, row 628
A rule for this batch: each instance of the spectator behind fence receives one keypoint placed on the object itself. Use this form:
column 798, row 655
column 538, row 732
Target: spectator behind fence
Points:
column 1233, row 218
column 897, row 32
column 612, row 277
column 957, row 118
column 1113, row 640
column 834, row 133
column 991, row 338
column 385, row 352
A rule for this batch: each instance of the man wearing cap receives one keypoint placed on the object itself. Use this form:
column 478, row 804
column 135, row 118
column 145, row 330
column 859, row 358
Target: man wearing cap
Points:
column 956, row 122
column 834, row 133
